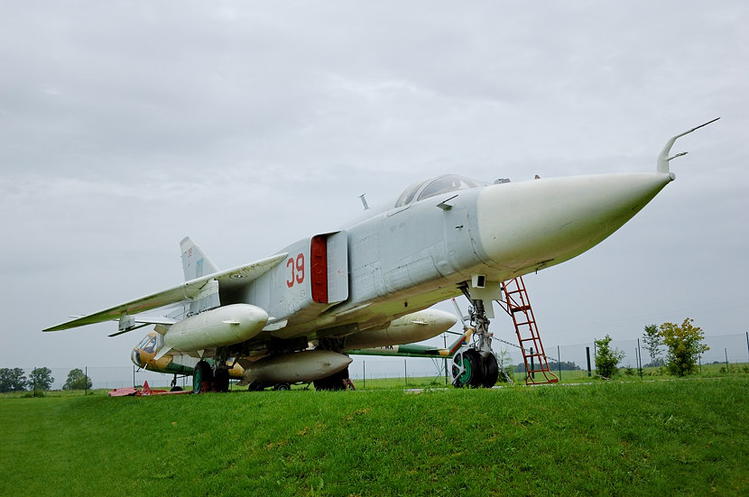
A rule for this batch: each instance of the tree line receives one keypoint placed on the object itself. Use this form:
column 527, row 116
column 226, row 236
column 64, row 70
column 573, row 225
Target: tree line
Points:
column 15, row 380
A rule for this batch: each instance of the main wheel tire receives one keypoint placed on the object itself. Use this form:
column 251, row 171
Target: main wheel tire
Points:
column 490, row 370
column 477, row 377
column 281, row 386
column 202, row 377
column 221, row 380
column 472, row 371
column 332, row 382
column 255, row 386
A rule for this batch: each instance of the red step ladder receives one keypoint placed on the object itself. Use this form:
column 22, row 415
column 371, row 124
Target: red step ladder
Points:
column 517, row 304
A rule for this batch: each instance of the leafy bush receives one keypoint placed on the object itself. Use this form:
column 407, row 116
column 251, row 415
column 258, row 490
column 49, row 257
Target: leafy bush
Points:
column 684, row 344
column 607, row 359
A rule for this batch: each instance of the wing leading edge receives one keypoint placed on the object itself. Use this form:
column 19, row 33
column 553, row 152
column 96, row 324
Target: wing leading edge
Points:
column 231, row 277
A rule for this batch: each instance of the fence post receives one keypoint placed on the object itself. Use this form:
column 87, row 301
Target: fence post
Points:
column 364, row 372
column 533, row 366
column 34, row 376
column 444, row 338
column 587, row 357
column 639, row 353
column 405, row 372
column 726, row 352
column 595, row 354
column 747, row 341
column 85, row 386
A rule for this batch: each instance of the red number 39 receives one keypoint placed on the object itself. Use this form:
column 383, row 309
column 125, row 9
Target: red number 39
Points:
column 296, row 274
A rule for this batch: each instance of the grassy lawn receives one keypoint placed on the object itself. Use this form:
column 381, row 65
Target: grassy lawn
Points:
column 682, row 437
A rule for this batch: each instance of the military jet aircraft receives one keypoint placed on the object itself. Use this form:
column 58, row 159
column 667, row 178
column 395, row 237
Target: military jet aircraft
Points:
column 292, row 316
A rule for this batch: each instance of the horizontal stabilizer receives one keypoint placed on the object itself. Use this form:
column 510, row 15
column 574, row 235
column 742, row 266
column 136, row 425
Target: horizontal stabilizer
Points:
column 231, row 277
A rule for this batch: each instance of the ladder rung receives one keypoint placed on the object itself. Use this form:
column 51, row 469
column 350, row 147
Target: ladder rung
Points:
column 524, row 323
column 520, row 308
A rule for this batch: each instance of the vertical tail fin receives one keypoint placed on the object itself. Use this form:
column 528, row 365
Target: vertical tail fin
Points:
column 194, row 262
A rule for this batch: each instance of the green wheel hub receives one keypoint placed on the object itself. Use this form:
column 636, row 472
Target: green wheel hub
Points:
column 465, row 377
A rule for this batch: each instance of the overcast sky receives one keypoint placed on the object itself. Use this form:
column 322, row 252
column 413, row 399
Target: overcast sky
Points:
column 125, row 126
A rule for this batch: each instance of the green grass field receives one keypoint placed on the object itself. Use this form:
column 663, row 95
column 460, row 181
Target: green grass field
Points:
column 681, row 437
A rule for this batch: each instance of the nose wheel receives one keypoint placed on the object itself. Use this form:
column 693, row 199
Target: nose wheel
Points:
column 476, row 366
column 472, row 369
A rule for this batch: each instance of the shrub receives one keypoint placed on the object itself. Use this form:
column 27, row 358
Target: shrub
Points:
column 607, row 359
column 684, row 344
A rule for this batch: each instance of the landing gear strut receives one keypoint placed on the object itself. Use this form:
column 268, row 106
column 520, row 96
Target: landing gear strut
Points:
column 174, row 386
column 202, row 377
column 336, row 381
column 206, row 379
column 476, row 366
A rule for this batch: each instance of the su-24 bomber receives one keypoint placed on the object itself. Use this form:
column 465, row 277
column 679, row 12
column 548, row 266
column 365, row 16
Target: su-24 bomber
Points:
column 297, row 315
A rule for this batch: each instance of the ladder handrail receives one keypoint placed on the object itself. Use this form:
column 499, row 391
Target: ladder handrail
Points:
column 522, row 305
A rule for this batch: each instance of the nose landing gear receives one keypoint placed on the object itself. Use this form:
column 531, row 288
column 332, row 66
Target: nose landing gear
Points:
column 476, row 366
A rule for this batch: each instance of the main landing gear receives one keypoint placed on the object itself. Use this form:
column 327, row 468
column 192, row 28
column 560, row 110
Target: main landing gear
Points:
column 205, row 379
column 336, row 381
column 476, row 366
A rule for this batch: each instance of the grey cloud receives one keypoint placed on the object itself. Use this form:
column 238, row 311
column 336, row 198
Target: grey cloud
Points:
column 125, row 126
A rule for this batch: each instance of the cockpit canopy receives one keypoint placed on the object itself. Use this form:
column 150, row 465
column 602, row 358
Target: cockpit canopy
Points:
column 436, row 186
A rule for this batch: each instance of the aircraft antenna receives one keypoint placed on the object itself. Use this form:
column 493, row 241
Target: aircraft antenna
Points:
column 364, row 203
column 663, row 157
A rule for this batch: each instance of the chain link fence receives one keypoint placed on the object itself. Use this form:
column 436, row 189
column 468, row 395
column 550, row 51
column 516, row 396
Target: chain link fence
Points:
column 723, row 349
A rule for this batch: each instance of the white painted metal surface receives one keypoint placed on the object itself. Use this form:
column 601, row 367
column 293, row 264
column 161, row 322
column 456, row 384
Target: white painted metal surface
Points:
column 414, row 327
column 301, row 366
column 222, row 326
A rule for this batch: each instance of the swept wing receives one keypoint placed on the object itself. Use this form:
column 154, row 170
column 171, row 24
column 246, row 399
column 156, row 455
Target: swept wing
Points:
column 231, row 277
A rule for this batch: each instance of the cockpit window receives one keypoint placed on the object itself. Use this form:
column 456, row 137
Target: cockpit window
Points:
column 408, row 195
column 447, row 183
column 147, row 344
column 436, row 186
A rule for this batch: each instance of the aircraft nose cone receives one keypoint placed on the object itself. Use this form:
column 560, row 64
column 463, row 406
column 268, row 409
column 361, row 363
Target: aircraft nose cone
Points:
column 529, row 225
column 135, row 357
